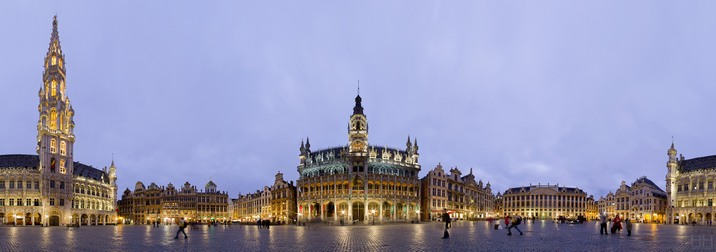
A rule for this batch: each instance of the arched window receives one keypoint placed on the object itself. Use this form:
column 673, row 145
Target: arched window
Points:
column 53, row 144
column 54, row 60
column 62, row 165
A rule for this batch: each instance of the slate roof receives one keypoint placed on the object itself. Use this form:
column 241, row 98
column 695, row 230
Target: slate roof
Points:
column 32, row 161
column 19, row 161
column 90, row 172
column 647, row 181
column 700, row 163
column 534, row 187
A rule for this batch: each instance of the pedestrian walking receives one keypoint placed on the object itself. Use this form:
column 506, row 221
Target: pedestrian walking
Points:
column 446, row 219
column 516, row 221
column 258, row 223
column 182, row 226
column 603, row 224
column 628, row 226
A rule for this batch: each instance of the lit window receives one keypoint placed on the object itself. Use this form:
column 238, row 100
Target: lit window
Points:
column 53, row 143
column 62, row 166
column 63, row 148
column 53, row 88
column 53, row 119
column 54, row 60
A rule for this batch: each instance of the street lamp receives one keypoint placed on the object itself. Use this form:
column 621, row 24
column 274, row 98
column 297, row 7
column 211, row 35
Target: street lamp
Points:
column 373, row 215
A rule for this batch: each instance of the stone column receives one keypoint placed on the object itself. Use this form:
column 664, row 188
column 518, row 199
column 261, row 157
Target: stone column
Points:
column 335, row 212
column 350, row 211
column 380, row 207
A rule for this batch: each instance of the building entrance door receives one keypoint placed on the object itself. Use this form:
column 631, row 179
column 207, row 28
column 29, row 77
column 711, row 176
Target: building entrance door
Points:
column 358, row 211
column 54, row 220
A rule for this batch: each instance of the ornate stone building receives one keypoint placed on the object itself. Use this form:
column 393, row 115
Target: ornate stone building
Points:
column 253, row 206
column 155, row 204
column 690, row 188
column 358, row 181
column 50, row 188
column 283, row 200
column 548, row 202
column 643, row 201
column 276, row 203
column 460, row 195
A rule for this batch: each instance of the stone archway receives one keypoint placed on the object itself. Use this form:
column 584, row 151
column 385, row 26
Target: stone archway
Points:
column 400, row 211
column 330, row 210
column 387, row 210
column 373, row 211
column 28, row 219
column 315, row 210
column 84, row 219
column 55, row 217
column 93, row 220
column 38, row 219
column 2, row 218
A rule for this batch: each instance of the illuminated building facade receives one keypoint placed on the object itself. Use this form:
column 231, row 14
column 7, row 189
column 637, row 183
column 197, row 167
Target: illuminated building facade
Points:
column 276, row 203
column 253, row 206
column 359, row 182
column 548, row 202
column 462, row 196
column 643, row 201
column 50, row 188
column 690, row 188
column 155, row 204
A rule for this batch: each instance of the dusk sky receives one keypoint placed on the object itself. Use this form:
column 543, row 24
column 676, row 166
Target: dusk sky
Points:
column 581, row 93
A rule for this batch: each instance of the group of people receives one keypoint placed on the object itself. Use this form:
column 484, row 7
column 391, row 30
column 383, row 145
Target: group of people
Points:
column 616, row 224
column 510, row 223
column 263, row 223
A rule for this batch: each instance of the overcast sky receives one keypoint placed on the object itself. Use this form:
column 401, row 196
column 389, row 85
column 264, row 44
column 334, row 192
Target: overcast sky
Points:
column 581, row 93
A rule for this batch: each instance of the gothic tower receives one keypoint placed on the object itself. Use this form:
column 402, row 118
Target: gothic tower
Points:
column 358, row 137
column 55, row 137
column 672, row 165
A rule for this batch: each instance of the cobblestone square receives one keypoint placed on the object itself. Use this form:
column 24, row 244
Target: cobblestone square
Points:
column 465, row 236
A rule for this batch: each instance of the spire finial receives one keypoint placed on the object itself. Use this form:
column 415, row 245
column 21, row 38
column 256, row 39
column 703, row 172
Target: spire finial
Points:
column 358, row 87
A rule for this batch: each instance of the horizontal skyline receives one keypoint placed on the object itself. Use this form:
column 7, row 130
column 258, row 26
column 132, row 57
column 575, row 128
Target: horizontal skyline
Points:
column 580, row 94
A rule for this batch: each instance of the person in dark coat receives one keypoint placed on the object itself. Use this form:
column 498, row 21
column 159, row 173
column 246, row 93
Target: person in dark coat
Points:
column 446, row 219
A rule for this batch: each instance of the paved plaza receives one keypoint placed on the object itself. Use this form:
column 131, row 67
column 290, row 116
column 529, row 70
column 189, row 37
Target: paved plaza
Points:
column 465, row 236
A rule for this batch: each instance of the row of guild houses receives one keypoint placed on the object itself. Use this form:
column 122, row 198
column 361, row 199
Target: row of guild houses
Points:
column 166, row 205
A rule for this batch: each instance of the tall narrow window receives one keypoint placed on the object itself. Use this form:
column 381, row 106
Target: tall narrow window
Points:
column 52, row 165
column 63, row 148
column 53, row 88
column 54, row 60
column 62, row 166
column 53, row 144
column 53, row 119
